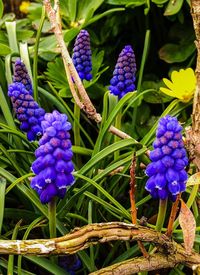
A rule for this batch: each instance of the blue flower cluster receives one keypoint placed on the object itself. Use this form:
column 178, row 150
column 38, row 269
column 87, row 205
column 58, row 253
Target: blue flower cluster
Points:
column 71, row 263
column 167, row 175
column 21, row 75
column 53, row 166
column 82, row 55
column 28, row 111
column 124, row 74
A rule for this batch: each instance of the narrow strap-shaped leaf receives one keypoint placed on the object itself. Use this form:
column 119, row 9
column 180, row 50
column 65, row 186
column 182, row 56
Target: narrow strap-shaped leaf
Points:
column 2, row 200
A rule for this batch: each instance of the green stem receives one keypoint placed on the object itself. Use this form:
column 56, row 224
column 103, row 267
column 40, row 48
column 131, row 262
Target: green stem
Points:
column 160, row 221
column 52, row 222
column 76, row 128
column 118, row 121
column 35, row 59
column 12, row 37
column 52, row 218
column 161, row 214
column 91, row 247
column 23, row 48
column 2, row 201
column 8, row 69
column 143, row 61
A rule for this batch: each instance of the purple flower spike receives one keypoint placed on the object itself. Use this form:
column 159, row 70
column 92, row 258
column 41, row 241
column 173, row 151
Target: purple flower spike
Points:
column 166, row 172
column 53, row 166
column 82, row 55
column 28, row 111
column 21, row 75
column 123, row 80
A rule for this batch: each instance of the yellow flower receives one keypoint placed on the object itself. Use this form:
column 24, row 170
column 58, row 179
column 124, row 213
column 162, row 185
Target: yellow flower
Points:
column 24, row 6
column 182, row 84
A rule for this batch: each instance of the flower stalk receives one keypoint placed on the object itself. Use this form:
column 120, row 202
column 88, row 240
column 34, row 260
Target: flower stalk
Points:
column 161, row 214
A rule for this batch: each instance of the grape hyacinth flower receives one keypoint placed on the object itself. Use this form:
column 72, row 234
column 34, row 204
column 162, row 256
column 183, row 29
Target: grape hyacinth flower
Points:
column 82, row 55
column 71, row 263
column 166, row 172
column 21, row 75
column 123, row 78
column 53, row 166
column 28, row 111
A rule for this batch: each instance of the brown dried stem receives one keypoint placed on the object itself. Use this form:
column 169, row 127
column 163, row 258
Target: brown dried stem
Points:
column 132, row 200
column 172, row 217
column 154, row 262
column 193, row 133
column 82, row 238
column 170, row 253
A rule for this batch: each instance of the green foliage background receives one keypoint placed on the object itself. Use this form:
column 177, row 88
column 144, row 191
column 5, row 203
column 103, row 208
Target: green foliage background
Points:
column 162, row 35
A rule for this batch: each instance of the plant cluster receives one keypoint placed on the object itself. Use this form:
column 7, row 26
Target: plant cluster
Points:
column 59, row 169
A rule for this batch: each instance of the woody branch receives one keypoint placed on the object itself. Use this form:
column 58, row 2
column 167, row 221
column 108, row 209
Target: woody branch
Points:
column 170, row 253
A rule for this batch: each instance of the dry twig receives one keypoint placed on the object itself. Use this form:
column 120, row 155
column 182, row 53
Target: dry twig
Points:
column 193, row 133
column 170, row 253
column 132, row 200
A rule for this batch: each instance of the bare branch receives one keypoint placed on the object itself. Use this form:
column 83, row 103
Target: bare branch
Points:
column 154, row 262
column 170, row 253
column 193, row 133
column 82, row 238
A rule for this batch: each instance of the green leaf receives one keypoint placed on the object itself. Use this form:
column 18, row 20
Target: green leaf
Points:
column 119, row 2
column 59, row 81
column 2, row 199
column 26, row 234
column 48, row 44
column 3, row 38
column 23, row 35
column 97, row 60
column 4, row 264
column 106, row 194
column 68, row 8
column 105, row 204
column 11, row 257
column 71, row 34
column 99, row 16
column 172, row 53
column 4, row 49
column 85, row 7
column 1, row 8
column 173, row 7
column 136, row 3
column 107, row 151
column 157, row 97
column 159, row 2
column 47, row 265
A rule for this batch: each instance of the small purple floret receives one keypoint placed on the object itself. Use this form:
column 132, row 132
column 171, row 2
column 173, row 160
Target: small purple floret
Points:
column 123, row 80
column 21, row 76
column 28, row 112
column 82, row 56
column 53, row 166
column 166, row 172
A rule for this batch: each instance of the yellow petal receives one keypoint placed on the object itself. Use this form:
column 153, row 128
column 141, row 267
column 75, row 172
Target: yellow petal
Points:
column 174, row 76
column 166, row 91
column 168, row 83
